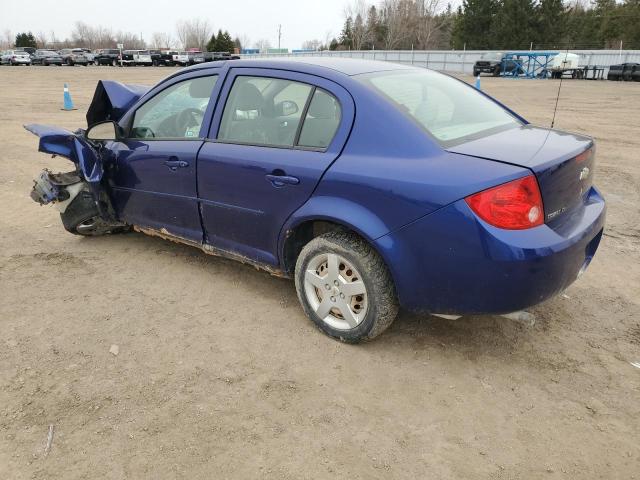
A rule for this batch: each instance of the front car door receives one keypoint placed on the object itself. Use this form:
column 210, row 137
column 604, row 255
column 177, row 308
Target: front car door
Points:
column 272, row 138
column 154, row 182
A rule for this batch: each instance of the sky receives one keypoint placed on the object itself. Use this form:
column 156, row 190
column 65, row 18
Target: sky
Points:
column 301, row 20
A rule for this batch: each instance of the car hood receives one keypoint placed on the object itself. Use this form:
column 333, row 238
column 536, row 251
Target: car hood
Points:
column 111, row 100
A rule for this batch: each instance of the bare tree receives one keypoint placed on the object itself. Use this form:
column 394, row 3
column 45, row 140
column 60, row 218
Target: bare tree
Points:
column 430, row 21
column 360, row 33
column 41, row 39
column 245, row 41
column 8, row 38
column 314, row 44
column 162, row 40
column 394, row 16
column 55, row 43
column 103, row 37
column 263, row 45
column 130, row 41
column 82, row 35
column 193, row 33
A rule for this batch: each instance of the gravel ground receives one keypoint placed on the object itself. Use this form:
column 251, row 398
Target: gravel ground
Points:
column 218, row 374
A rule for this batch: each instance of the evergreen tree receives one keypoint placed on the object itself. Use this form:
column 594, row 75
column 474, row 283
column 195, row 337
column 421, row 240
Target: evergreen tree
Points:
column 225, row 42
column 212, row 44
column 26, row 40
column 346, row 37
column 472, row 25
column 551, row 24
column 514, row 25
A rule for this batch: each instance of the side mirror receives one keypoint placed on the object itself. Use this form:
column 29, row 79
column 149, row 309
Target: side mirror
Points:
column 102, row 131
column 286, row 108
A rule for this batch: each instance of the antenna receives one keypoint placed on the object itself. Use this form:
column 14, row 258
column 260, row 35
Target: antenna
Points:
column 555, row 109
column 279, row 35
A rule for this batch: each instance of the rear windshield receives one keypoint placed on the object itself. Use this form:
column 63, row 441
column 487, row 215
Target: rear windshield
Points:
column 450, row 110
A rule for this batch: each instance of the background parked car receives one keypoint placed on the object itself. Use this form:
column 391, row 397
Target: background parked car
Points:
column 218, row 56
column 46, row 57
column 15, row 57
column 173, row 57
column 142, row 58
column 195, row 57
column 87, row 53
column 132, row 58
column 156, row 57
column 493, row 63
column 622, row 71
column 73, row 56
column 107, row 56
column 29, row 50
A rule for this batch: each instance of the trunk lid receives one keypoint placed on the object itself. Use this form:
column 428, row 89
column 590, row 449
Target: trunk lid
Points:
column 562, row 162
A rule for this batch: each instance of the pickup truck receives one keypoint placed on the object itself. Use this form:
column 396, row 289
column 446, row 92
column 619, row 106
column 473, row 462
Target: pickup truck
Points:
column 107, row 56
column 173, row 57
column 493, row 63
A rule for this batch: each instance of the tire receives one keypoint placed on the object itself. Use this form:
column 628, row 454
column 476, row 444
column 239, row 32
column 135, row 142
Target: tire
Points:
column 82, row 218
column 496, row 71
column 348, row 260
column 476, row 73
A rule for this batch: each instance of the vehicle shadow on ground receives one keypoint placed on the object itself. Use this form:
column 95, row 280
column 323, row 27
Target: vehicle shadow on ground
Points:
column 477, row 335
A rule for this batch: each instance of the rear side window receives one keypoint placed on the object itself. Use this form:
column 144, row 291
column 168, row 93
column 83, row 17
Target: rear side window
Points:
column 175, row 112
column 321, row 122
column 451, row 111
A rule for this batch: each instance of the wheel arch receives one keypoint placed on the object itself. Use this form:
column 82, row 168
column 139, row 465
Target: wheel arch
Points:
column 318, row 216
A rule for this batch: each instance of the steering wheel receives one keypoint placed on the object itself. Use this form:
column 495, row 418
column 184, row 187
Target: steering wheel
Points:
column 187, row 118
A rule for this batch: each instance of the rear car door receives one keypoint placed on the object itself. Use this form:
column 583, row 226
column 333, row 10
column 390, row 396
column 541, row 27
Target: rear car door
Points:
column 154, row 182
column 272, row 137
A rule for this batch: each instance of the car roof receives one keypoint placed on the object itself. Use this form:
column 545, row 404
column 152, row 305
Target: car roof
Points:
column 346, row 66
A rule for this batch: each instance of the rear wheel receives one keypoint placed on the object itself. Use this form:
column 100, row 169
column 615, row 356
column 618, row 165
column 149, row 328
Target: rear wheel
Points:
column 345, row 288
column 81, row 217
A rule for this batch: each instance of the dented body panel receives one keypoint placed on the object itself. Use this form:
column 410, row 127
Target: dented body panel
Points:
column 112, row 100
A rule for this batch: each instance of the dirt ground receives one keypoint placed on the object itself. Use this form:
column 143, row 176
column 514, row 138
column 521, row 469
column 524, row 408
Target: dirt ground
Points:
column 220, row 375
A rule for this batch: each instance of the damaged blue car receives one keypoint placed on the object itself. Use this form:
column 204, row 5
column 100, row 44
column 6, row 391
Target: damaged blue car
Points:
column 374, row 186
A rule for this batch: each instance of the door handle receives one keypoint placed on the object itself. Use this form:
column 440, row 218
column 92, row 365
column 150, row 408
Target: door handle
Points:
column 282, row 180
column 174, row 164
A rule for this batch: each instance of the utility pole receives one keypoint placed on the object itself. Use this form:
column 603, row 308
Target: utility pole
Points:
column 279, row 35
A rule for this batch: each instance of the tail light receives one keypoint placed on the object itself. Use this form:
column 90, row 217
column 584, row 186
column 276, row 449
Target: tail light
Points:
column 515, row 205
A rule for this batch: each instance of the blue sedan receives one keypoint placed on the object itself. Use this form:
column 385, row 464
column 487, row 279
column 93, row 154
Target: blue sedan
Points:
column 373, row 185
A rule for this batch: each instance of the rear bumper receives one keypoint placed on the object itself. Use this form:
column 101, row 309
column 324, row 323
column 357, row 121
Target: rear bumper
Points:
column 452, row 262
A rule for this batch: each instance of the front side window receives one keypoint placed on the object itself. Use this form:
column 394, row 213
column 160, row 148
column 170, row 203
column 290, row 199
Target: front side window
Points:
column 451, row 111
column 176, row 112
column 263, row 111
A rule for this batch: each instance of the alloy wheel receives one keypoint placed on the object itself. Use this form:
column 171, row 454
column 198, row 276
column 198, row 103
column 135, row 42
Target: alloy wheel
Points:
column 335, row 291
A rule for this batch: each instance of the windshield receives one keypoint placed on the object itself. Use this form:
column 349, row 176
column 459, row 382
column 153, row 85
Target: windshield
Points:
column 450, row 110
column 492, row 56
